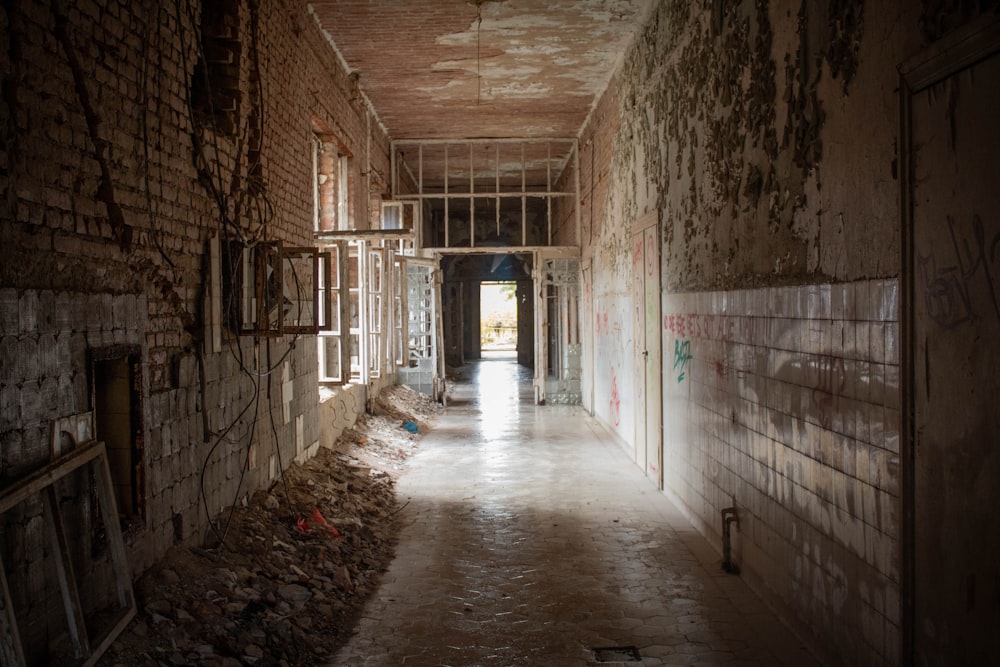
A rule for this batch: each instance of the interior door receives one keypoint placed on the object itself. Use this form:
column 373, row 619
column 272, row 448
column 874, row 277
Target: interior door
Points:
column 952, row 456
column 646, row 325
column 558, row 352
column 421, row 368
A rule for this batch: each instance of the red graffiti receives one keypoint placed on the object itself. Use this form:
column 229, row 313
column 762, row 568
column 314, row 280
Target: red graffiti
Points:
column 650, row 254
column 616, row 403
column 602, row 328
column 724, row 328
column 676, row 324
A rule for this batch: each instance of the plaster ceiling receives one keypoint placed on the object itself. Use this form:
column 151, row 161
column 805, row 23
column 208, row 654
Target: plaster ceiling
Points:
column 445, row 69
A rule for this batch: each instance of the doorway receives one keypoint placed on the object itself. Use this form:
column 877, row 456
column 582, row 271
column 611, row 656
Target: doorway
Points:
column 116, row 375
column 478, row 293
column 951, row 363
column 498, row 318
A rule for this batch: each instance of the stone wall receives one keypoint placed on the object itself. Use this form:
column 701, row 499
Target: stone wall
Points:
column 132, row 134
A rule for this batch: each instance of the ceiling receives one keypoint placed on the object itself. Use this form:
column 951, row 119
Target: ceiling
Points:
column 447, row 69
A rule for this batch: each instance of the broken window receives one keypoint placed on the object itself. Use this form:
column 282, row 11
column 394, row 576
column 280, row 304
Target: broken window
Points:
column 275, row 291
column 355, row 310
column 331, row 341
column 375, row 292
column 399, row 315
column 331, row 186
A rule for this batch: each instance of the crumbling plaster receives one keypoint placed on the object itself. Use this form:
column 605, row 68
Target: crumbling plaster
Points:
column 763, row 138
column 733, row 125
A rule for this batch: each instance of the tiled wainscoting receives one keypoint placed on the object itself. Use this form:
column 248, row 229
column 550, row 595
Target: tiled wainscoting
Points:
column 785, row 403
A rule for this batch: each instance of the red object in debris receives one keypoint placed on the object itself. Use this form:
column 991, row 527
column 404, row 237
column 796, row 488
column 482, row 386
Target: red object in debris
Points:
column 316, row 521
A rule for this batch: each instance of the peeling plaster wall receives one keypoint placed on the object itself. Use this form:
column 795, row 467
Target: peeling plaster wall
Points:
column 733, row 119
column 106, row 209
column 763, row 136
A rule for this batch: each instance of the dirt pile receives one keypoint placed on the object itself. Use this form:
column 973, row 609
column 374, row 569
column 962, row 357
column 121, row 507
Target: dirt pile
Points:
column 298, row 561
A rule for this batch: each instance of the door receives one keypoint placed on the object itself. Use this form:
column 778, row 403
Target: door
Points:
column 525, row 324
column 951, row 362
column 558, row 353
column 421, row 368
column 646, row 325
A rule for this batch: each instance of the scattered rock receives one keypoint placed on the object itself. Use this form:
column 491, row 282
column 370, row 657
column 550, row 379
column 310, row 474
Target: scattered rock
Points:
column 342, row 577
column 294, row 593
column 161, row 607
column 273, row 595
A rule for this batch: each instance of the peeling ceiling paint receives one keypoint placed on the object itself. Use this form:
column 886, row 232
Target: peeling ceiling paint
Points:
column 452, row 69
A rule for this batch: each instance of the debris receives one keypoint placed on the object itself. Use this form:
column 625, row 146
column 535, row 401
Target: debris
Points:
column 294, row 593
column 411, row 427
column 161, row 607
column 276, row 594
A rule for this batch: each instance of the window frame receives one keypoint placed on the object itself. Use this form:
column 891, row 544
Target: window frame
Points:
column 336, row 317
column 331, row 180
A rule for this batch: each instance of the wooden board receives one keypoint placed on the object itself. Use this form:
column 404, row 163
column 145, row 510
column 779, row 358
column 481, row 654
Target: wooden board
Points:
column 41, row 482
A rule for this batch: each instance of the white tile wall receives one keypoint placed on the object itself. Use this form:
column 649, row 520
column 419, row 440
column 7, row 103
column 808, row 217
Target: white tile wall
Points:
column 790, row 405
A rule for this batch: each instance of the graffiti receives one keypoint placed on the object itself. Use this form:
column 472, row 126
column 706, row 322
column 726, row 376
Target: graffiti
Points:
column 948, row 285
column 601, row 328
column 725, row 328
column 676, row 324
column 828, row 385
column 651, row 263
column 604, row 326
column 682, row 355
column 616, row 403
column 610, row 346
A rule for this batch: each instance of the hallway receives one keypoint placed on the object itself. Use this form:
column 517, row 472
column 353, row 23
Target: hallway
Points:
column 530, row 539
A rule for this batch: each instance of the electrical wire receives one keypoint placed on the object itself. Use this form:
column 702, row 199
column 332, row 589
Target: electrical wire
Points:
column 277, row 444
column 155, row 232
column 245, row 214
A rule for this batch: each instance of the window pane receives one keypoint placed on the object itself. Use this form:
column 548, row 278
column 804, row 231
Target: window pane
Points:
column 298, row 291
column 330, row 359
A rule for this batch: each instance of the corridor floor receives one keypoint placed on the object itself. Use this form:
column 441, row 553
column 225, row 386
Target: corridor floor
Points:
column 531, row 539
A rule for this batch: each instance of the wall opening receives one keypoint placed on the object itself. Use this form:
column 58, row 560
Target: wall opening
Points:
column 464, row 311
column 117, row 393
column 498, row 317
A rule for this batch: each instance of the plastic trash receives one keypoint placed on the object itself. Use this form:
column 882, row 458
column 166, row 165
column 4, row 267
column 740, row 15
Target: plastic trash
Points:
column 315, row 522
column 411, row 427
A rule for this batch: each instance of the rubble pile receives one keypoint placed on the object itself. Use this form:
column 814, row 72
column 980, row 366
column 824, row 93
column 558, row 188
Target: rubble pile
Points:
column 296, row 564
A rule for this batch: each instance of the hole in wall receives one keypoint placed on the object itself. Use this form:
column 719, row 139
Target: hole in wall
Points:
column 116, row 391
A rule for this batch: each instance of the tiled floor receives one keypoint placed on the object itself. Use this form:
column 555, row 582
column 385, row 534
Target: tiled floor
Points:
column 531, row 539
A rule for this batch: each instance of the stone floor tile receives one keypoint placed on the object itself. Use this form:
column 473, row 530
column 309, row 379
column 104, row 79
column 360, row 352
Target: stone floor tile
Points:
column 530, row 538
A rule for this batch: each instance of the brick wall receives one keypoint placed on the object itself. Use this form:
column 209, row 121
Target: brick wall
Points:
column 113, row 182
column 47, row 342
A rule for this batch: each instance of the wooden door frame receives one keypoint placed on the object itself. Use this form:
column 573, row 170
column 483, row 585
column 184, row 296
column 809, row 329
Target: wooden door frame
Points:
column 654, row 378
column 954, row 53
